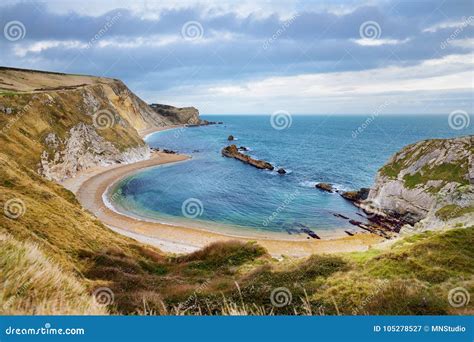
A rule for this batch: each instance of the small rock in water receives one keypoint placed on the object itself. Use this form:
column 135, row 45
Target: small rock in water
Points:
column 325, row 187
column 356, row 196
column 281, row 171
column 341, row 216
column 230, row 138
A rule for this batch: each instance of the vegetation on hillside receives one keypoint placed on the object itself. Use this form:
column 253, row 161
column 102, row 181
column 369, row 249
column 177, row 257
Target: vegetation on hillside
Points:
column 56, row 258
column 34, row 116
column 454, row 171
column 81, row 256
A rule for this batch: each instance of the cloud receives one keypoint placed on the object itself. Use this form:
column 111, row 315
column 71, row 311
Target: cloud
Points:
column 399, row 85
column 241, row 49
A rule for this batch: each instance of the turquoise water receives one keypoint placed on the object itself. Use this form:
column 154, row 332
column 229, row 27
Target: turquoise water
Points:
column 221, row 193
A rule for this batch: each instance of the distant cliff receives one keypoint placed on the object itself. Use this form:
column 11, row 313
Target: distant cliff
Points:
column 186, row 115
column 429, row 184
column 60, row 124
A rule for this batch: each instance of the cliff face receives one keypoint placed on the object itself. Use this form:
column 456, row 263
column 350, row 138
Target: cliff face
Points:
column 61, row 124
column 428, row 184
column 186, row 115
column 83, row 148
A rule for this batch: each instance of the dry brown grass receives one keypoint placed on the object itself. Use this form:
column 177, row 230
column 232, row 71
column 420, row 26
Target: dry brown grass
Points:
column 54, row 255
column 32, row 283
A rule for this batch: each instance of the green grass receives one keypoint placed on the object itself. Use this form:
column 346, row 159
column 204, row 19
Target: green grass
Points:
column 9, row 93
column 231, row 277
column 400, row 161
column 70, row 253
column 451, row 211
column 448, row 172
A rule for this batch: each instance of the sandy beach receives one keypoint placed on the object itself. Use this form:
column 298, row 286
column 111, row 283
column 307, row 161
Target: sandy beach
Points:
column 90, row 185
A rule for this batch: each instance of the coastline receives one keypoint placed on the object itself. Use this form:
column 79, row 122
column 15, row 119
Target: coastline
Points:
column 145, row 133
column 91, row 185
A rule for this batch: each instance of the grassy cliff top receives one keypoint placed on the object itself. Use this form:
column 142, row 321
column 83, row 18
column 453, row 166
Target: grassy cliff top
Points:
column 23, row 80
column 445, row 160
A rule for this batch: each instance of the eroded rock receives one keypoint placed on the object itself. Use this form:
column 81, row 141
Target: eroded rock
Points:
column 232, row 152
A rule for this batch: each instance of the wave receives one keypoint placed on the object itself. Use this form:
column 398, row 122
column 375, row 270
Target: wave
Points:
column 312, row 184
column 308, row 184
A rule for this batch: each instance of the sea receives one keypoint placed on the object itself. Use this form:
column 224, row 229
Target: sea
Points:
column 213, row 192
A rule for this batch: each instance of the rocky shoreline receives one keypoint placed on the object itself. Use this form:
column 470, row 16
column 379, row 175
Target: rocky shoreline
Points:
column 425, row 186
column 378, row 223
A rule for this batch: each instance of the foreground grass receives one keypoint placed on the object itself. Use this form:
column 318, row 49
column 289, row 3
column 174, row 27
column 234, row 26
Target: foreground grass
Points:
column 55, row 256
column 33, row 284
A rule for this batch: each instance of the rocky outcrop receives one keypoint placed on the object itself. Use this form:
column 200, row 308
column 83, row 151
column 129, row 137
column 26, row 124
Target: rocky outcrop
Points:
column 233, row 152
column 355, row 196
column 428, row 185
column 175, row 115
column 325, row 187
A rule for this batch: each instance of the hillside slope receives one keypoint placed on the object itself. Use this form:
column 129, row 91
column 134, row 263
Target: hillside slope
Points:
column 56, row 258
column 61, row 124
column 92, row 270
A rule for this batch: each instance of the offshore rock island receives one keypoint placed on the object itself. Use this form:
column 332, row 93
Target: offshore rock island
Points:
column 233, row 152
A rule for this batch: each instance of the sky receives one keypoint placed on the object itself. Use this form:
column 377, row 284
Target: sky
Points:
column 258, row 57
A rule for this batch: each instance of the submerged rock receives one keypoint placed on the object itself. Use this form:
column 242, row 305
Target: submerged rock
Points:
column 230, row 138
column 281, row 171
column 325, row 187
column 341, row 216
column 232, row 152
